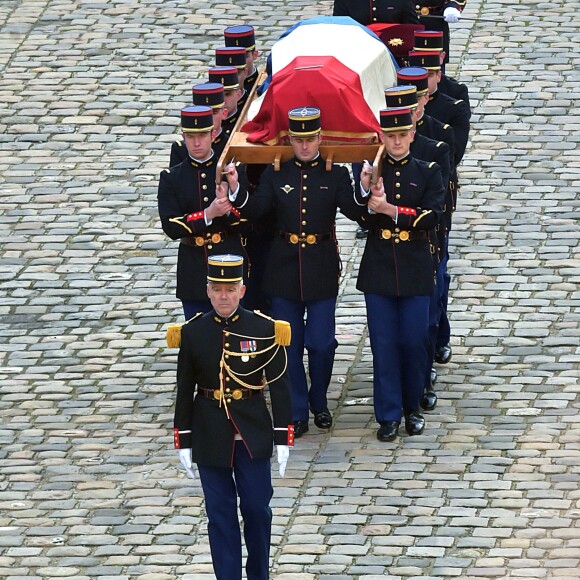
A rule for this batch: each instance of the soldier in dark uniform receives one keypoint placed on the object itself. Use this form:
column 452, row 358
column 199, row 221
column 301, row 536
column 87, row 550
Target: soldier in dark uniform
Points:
column 209, row 95
column 244, row 35
column 195, row 213
column 444, row 108
column 429, row 150
column 457, row 114
column 371, row 11
column 234, row 56
column 228, row 77
column 397, row 273
column 222, row 422
column 303, row 266
column 449, row 9
column 426, row 125
column 432, row 40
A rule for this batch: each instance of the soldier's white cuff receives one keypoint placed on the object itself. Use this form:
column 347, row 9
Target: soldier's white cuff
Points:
column 233, row 194
column 207, row 222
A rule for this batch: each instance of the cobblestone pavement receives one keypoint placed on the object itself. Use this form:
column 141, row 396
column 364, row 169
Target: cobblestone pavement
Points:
column 90, row 486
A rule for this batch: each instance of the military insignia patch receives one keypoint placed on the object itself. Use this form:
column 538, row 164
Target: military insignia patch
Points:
column 287, row 189
column 396, row 42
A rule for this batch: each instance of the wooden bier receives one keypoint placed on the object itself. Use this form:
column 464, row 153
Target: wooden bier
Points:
column 239, row 149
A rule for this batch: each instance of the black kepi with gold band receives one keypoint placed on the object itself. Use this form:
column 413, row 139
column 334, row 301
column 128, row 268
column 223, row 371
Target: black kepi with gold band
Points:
column 430, row 40
column 431, row 60
column 304, row 122
column 396, row 119
column 241, row 35
column 417, row 76
column 231, row 56
column 209, row 95
column 225, row 268
column 196, row 119
column 401, row 96
column 225, row 75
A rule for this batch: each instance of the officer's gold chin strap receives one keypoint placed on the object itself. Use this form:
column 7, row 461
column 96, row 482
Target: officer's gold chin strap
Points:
column 227, row 371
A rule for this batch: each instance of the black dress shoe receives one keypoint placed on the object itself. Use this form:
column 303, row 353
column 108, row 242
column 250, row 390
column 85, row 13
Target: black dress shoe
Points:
column 414, row 423
column 300, row 427
column 388, row 431
column 433, row 377
column 443, row 354
column 361, row 233
column 323, row 419
column 429, row 400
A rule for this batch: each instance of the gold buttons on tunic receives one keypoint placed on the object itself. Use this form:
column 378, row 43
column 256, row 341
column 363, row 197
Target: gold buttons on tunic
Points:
column 398, row 196
column 206, row 199
column 304, row 199
column 303, row 222
column 203, row 175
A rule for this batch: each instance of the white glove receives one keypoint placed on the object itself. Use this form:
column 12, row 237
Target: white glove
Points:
column 283, row 452
column 451, row 15
column 185, row 458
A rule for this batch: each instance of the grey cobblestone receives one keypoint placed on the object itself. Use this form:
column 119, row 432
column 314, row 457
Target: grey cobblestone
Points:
column 90, row 487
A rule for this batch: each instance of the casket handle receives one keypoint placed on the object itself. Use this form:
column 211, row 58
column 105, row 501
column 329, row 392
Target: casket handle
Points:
column 277, row 160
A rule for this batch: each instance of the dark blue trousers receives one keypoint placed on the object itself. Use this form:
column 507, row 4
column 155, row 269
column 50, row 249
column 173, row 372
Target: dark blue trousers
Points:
column 317, row 335
column 192, row 307
column 444, row 333
column 435, row 315
column 251, row 480
column 398, row 330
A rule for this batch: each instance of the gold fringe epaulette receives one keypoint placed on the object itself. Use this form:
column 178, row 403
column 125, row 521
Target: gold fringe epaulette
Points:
column 173, row 333
column 282, row 333
column 282, row 329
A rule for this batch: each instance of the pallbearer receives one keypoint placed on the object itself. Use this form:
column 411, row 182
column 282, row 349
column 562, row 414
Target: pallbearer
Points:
column 195, row 212
column 303, row 267
column 397, row 273
column 209, row 95
column 244, row 35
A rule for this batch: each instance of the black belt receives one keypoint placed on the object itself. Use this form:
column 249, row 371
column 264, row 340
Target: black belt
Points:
column 229, row 394
column 401, row 235
column 426, row 10
column 209, row 238
column 304, row 238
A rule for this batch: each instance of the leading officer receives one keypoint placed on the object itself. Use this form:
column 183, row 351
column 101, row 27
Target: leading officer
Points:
column 222, row 423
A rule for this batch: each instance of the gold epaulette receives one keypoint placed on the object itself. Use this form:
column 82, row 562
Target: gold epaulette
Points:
column 173, row 332
column 282, row 330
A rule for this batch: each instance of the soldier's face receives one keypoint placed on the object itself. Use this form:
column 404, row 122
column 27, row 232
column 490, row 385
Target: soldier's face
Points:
column 225, row 298
column 433, row 80
column 397, row 143
column 251, row 56
column 199, row 144
column 421, row 102
column 305, row 148
column 231, row 97
column 242, row 74
column 218, row 116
